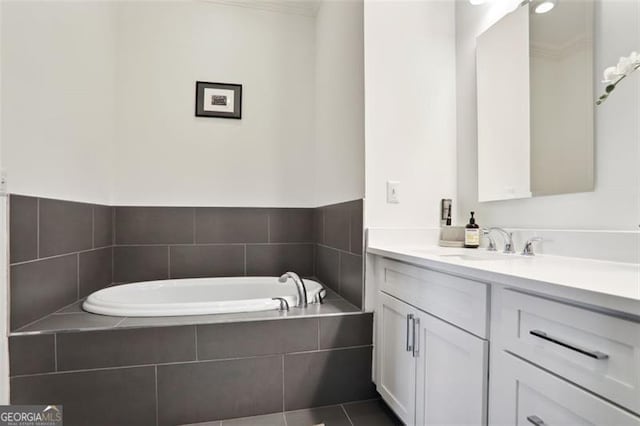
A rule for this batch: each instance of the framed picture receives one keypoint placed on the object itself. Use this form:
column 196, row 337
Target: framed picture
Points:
column 218, row 100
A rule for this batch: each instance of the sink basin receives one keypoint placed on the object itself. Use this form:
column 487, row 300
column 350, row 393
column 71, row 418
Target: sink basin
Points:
column 469, row 257
column 482, row 256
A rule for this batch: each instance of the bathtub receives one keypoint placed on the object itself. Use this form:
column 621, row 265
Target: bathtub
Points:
column 197, row 296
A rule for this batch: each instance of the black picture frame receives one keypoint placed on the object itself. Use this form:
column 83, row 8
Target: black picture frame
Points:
column 234, row 90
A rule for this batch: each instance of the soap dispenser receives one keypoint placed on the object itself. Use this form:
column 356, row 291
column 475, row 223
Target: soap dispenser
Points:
column 472, row 233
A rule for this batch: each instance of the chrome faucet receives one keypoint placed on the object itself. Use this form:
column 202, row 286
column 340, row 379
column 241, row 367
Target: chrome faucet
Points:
column 528, row 246
column 508, row 239
column 302, row 289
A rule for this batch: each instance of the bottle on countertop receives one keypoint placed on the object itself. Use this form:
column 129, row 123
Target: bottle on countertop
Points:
column 472, row 233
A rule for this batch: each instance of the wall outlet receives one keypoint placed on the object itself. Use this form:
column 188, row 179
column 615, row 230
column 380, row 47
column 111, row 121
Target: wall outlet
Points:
column 393, row 194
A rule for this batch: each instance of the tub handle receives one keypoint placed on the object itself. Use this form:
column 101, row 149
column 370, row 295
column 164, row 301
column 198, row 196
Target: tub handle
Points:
column 284, row 305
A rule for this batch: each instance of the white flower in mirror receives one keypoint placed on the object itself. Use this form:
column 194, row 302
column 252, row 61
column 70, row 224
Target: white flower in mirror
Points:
column 613, row 75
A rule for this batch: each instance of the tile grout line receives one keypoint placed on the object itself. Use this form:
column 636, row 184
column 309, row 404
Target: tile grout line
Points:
column 169, row 262
column 340, row 250
column 113, row 264
column 198, row 244
column 77, row 276
column 55, row 352
column 350, row 229
column 195, row 333
column 344, row 410
column 245, row 259
column 340, row 273
column 56, row 256
column 268, row 227
column 93, row 226
column 157, row 402
column 283, row 390
column 37, row 229
column 117, row 324
column 194, row 225
column 113, row 226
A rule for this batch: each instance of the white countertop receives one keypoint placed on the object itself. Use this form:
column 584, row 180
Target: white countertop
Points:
column 612, row 285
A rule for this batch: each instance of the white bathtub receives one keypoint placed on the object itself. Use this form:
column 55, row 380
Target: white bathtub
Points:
column 196, row 296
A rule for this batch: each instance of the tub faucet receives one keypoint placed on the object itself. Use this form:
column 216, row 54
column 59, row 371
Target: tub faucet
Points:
column 302, row 289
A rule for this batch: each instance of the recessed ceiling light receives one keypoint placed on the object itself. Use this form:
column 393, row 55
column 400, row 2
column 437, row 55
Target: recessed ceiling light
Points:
column 545, row 6
column 477, row 2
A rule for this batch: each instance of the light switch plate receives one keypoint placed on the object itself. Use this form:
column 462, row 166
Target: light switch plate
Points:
column 393, row 192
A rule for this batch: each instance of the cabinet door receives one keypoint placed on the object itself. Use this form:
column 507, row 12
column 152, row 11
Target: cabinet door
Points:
column 395, row 364
column 452, row 374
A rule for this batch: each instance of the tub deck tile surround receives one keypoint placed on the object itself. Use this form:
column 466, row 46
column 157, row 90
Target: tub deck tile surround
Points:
column 73, row 318
column 126, row 244
column 339, row 241
column 59, row 251
column 196, row 373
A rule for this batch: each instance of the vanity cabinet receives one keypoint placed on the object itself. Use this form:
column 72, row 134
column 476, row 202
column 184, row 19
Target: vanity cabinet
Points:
column 553, row 361
column 429, row 371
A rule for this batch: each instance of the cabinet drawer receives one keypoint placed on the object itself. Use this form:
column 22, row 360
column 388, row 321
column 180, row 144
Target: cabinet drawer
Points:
column 594, row 350
column 459, row 301
column 525, row 395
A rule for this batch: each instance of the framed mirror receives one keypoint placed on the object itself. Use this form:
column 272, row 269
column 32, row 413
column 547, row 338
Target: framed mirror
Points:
column 535, row 94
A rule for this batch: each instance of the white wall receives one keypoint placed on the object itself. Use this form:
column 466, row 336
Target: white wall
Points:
column 409, row 110
column 615, row 203
column 4, row 275
column 165, row 155
column 58, row 98
column 339, row 102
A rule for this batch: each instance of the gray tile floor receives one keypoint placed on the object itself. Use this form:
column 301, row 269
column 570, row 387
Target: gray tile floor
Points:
column 73, row 318
column 361, row 413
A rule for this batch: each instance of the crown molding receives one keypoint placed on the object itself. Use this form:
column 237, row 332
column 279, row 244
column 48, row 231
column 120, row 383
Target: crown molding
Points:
column 292, row 7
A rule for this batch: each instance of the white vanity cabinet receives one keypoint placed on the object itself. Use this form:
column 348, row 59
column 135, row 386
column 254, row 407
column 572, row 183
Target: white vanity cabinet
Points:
column 554, row 362
column 429, row 371
column 554, row 359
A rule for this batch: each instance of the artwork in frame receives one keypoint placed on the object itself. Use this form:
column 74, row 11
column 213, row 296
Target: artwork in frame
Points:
column 221, row 100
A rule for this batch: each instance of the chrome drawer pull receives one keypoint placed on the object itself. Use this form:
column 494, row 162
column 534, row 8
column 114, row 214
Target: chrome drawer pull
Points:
column 563, row 343
column 535, row 420
column 409, row 343
column 416, row 337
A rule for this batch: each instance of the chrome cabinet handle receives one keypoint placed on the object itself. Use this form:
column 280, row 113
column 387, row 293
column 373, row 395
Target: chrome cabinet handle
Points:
column 409, row 342
column 535, row 420
column 592, row 354
column 416, row 337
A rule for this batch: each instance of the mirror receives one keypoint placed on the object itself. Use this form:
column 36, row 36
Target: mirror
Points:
column 535, row 95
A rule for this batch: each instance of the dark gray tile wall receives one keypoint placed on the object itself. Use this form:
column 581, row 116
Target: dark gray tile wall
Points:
column 211, row 242
column 121, row 396
column 211, row 390
column 59, row 252
column 338, row 230
column 195, row 373
column 127, row 244
column 313, row 379
column 32, row 354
